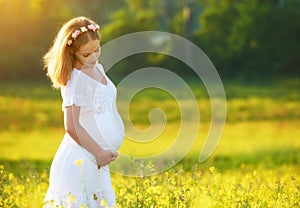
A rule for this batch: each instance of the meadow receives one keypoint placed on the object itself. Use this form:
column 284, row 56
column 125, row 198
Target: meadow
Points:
column 256, row 163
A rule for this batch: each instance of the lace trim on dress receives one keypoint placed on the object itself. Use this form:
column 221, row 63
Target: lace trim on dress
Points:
column 103, row 98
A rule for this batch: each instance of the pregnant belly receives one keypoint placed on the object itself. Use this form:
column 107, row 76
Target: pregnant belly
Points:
column 106, row 129
column 112, row 131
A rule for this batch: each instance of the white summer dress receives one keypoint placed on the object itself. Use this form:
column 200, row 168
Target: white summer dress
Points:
column 74, row 176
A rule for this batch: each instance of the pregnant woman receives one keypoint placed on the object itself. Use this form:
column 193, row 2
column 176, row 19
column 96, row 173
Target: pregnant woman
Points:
column 79, row 174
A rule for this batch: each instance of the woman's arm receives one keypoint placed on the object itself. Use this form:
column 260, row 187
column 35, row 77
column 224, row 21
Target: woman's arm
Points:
column 81, row 136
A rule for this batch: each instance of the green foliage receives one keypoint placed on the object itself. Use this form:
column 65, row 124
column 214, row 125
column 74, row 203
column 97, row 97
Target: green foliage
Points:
column 133, row 17
column 246, row 39
column 28, row 28
column 251, row 39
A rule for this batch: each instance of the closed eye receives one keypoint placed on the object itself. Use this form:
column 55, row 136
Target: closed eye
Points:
column 85, row 55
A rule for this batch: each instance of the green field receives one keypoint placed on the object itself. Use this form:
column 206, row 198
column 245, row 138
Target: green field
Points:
column 256, row 164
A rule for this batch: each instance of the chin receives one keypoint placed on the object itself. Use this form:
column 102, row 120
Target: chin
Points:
column 91, row 65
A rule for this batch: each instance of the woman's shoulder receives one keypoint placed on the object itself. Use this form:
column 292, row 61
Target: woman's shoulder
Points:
column 75, row 74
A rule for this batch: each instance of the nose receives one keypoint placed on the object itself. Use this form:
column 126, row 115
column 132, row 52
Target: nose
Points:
column 94, row 57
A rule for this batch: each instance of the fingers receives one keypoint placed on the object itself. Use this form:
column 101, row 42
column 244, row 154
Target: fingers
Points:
column 114, row 155
column 107, row 158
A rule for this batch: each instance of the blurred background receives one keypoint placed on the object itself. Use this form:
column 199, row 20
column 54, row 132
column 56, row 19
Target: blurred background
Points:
column 247, row 39
column 253, row 44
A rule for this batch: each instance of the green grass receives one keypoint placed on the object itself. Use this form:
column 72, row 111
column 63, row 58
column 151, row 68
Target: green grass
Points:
column 258, row 153
column 35, row 105
column 259, row 118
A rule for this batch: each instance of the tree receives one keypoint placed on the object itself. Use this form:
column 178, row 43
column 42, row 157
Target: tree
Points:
column 251, row 38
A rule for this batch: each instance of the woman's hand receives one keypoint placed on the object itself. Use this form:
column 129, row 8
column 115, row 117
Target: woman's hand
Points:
column 105, row 157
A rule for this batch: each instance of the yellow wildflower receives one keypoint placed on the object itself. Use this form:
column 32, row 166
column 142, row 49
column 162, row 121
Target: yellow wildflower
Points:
column 103, row 202
column 78, row 162
column 71, row 198
column 212, row 169
column 11, row 176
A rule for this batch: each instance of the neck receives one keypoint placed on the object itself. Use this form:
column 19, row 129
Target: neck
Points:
column 78, row 65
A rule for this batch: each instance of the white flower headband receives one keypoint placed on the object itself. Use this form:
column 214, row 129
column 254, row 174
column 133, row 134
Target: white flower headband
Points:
column 83, row 29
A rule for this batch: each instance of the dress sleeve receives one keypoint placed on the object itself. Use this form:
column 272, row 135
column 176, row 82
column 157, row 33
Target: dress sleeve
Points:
column 73, row 92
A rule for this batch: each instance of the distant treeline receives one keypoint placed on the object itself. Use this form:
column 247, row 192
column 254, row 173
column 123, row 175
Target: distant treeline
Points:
column 248, row 39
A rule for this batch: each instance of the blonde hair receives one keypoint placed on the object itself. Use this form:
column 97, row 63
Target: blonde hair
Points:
column 60, row 58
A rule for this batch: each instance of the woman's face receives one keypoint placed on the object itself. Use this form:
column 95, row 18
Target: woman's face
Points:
column 88, row 54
